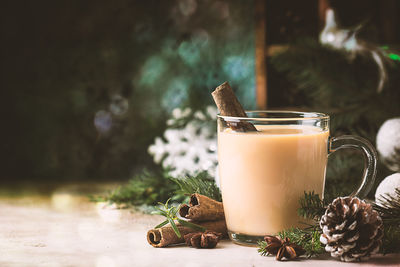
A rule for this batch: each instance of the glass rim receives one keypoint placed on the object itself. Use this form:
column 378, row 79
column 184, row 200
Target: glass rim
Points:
column 309, row 116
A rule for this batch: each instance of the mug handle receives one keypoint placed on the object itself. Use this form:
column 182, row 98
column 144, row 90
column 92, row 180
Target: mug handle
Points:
column 370, row 159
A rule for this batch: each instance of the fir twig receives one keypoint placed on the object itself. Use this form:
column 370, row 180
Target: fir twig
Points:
column 170, row 213
column 391, row 239
column 389, row 210
column 200, row 184
column 146, row 188
column 150, row 187
column 307, row 238
column 311, row 206
column 262, row 248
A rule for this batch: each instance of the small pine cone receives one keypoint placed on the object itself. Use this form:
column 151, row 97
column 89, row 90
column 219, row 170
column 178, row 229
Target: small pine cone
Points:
column 352, row 230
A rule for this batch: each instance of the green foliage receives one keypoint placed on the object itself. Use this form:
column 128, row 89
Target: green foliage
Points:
column 389, row 210
column 391, row 239
column 307, row 238
column 200, row 184
column 147, row 188
column 170, row 213
column 311, row 206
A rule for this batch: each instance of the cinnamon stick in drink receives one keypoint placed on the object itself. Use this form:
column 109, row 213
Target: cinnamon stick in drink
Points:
column 202, row 208
column 166, row 236
column 229, row 105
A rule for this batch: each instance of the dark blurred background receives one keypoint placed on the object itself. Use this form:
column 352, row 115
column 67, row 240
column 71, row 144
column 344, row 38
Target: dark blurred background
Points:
column 86, row 86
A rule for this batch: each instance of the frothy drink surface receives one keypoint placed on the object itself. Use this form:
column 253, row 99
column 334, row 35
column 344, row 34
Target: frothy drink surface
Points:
column 263, row 174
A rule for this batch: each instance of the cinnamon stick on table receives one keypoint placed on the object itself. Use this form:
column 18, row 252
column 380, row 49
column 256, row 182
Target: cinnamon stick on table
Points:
column 202, row 208
column 229, row 105
column 166, row 236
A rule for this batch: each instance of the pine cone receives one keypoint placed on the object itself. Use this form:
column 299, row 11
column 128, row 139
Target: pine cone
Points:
column 352, row 230
column 208, row 239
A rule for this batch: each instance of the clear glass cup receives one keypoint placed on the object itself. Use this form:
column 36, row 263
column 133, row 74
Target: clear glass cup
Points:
column 264, row 173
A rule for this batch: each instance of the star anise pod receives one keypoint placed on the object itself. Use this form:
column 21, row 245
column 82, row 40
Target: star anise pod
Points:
column 282, row 248
column 208, row 239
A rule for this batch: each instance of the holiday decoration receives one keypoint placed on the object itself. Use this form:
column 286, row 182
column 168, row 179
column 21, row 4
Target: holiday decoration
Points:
column 208, row 239
column 337, row 37
column 351, row 229
column 387, row 187
column 163, row 235
column 282, row 248
column 190, row 143
column 388, row 143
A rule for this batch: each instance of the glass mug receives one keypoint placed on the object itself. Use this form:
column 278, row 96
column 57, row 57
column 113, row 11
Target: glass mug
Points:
column 264, row 173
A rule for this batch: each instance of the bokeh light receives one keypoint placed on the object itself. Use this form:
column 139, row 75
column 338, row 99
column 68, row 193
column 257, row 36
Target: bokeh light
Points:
column 189, row 52
column 222, row 9
column 152, row 70
column 119, row 105
column 238, row 67
column 103, row 121
column 176, row 93
column 187, row 7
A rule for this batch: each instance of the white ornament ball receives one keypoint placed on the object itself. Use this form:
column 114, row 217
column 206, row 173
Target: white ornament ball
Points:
column 388, row 143
column 387, row 187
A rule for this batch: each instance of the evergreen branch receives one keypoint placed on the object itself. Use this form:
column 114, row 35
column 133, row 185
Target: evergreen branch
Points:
column 389, row 209
column 149, row 187
column 175, row 228
column 307, row 238
column 391, row 239
column 171, row 216
column 146, row 188
column 311, row 206
column 262, row 248
column 200, row 184
column 161, row 224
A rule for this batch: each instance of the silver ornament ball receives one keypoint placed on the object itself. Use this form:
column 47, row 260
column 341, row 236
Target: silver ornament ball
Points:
column 387, row 187
column 388, row 143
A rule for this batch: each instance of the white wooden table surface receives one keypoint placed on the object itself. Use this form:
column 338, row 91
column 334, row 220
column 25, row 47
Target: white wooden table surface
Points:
column 66, row 230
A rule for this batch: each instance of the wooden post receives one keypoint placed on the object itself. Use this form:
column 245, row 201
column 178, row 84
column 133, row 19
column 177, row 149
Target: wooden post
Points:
column 260, row 54
column 322, row 7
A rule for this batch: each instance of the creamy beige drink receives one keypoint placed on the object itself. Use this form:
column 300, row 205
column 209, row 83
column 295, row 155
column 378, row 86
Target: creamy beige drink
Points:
column 263, row 174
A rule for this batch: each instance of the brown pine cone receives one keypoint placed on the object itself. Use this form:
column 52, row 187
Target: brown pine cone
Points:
column 352, row 230
column 208, row 239
column 282, row 248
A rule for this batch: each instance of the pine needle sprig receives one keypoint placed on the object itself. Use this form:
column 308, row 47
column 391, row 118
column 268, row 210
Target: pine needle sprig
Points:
column 389, row 209
column 146, row 188
column 200, row 184
column 262, row 248
column 391, row 239
column 311, row 206
column 170, row 213
column 307, row 238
